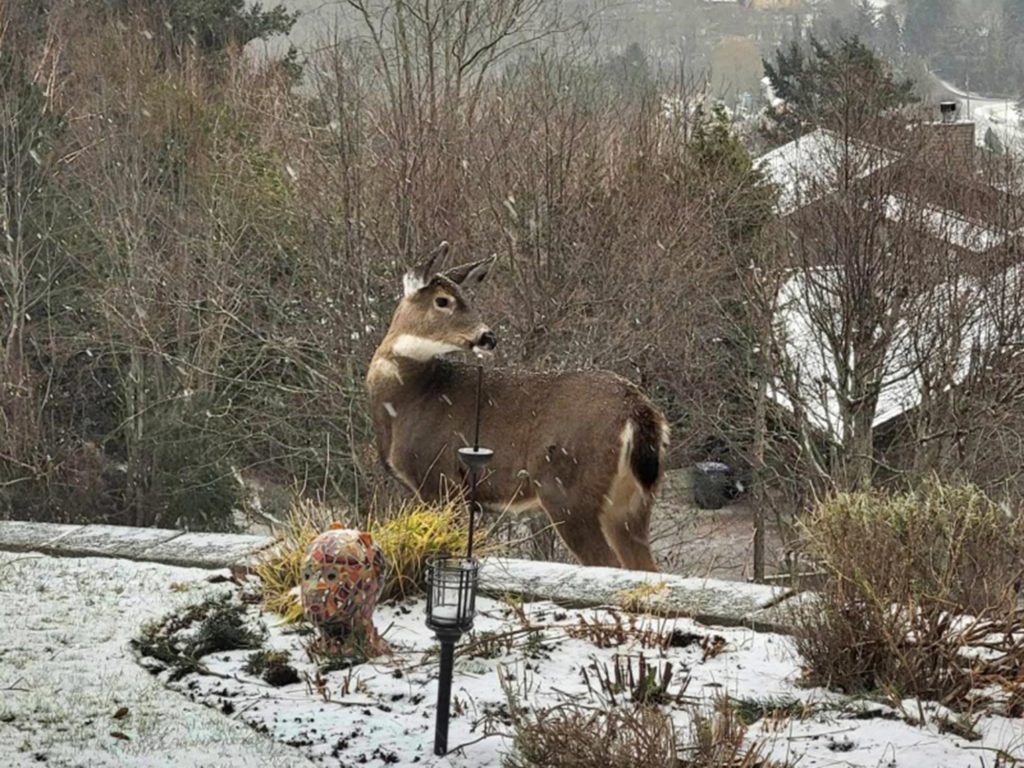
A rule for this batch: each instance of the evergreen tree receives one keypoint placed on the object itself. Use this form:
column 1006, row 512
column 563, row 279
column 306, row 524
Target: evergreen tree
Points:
column 841, row 84
column 993, row 143
column 727, row 177
column 788, row 76
column 630, row 71
column 213, row 25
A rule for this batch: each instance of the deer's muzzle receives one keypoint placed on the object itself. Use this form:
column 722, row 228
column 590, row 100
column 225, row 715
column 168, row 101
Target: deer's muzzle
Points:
column 487, row 341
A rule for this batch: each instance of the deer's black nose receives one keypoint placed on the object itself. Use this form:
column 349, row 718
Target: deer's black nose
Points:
column 488, row 340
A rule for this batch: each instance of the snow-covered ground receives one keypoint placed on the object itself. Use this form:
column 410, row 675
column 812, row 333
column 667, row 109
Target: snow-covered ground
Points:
column 66, row 672
column 74, row 695
column 383, row 713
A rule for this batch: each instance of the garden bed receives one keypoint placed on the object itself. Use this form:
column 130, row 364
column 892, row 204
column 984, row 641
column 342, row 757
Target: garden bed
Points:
column 530, row 668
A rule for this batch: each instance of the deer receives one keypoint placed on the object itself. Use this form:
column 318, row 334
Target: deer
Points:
column 587, row 448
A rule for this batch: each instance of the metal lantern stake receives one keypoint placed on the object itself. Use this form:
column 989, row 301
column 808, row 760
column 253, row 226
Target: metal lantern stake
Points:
column 452, row 584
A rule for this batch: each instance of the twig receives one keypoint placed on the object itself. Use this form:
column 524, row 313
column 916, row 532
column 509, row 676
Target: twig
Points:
column 14, row 686
column 475, row 741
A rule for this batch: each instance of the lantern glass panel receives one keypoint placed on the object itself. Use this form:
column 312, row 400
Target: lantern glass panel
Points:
column 451, row 594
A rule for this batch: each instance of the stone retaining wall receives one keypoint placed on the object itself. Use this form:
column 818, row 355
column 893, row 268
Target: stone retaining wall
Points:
column 712, row 601
column 159, row 545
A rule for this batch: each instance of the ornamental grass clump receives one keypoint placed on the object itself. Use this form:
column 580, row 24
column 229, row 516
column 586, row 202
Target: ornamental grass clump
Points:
column 409, row 536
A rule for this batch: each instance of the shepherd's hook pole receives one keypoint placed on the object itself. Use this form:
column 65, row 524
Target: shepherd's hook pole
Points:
column 479, row 389
column 473, row 469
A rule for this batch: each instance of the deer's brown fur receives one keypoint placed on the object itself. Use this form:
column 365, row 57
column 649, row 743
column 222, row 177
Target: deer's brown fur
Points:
column 587, row 447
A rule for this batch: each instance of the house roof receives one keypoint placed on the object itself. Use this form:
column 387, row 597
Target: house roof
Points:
column 806, row 169
column 944, row 224
column 809, row 308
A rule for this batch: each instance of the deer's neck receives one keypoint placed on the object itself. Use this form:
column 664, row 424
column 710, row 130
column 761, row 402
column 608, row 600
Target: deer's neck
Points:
column 394, row 373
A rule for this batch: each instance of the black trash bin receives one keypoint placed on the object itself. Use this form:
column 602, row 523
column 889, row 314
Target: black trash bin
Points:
column 714, row 485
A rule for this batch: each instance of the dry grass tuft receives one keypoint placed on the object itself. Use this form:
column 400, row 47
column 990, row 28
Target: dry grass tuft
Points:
column 571, row 736
column 413, row 535
column 634, row 680
column 622, row 627
column 408, row 536
column 627, row 722
column 280, row 568
column 717, row 739
column 642, row 599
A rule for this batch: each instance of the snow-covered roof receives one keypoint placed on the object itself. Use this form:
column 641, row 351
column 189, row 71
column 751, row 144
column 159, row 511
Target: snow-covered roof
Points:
column 806, row 169
column 962, row 316
column 809, row 307
column 944, row 224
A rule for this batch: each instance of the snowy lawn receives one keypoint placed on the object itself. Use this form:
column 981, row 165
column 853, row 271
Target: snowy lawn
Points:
column 71, row 692
column 382, row 713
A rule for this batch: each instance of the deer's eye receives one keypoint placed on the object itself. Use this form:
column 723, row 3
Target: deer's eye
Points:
column 442, row 302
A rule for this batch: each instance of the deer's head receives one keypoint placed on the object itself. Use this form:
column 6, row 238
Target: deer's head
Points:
column 435, row 316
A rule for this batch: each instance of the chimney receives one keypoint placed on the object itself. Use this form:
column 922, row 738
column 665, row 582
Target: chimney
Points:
column 949, row 141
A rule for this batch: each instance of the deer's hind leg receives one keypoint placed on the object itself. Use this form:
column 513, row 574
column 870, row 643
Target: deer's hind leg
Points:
column 626, row 522
column 582, row 535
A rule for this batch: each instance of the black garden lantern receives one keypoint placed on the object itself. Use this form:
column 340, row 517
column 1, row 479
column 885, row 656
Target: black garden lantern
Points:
column 451, row 594
column 451, row 606
column 452, row 585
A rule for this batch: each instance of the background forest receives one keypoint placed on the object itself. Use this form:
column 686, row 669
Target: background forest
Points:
column 202, row 248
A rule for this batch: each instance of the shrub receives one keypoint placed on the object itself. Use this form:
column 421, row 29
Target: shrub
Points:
column 575, row 736
column 409, row 537
column 179, row 641
column 572, row 736
column 272, row 667
column 914, row 581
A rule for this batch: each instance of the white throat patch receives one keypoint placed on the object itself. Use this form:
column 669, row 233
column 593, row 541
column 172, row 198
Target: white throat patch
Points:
column 420, row 348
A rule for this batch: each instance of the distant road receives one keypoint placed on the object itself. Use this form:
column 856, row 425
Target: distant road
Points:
column 1000, row 114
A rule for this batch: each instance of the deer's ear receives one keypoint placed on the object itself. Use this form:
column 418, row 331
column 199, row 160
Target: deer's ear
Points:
column 472, row 274
column 418, row 277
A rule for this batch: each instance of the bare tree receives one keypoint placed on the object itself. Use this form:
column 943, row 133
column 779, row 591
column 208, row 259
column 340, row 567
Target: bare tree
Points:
column 29, row 274
column 896, row 301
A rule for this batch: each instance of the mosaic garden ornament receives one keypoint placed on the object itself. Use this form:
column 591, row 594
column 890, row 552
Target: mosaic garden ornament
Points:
column 342, row 579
